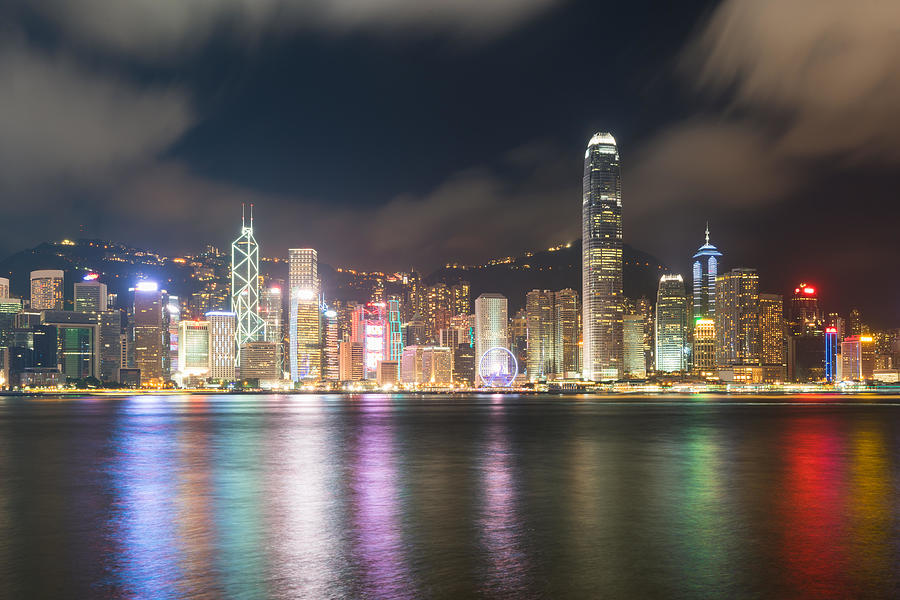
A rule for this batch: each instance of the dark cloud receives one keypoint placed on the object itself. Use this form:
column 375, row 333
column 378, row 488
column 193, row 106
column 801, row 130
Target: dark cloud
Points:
column 61, row 122
column 804, row 83
column 163, row 28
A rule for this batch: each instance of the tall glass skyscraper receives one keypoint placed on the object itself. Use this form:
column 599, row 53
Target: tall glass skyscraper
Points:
column 601, row 249
column 305, row 319
column 671, row 325
column 705, row 270
column 245, row 287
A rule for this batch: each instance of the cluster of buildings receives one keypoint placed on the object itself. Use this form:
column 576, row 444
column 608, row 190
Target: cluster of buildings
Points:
column 722, row 329
column 242, row 328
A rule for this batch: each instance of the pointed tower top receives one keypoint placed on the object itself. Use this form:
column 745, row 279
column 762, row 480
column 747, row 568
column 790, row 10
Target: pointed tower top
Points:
column 251, row 218
column 707, row 230
column 243, row 221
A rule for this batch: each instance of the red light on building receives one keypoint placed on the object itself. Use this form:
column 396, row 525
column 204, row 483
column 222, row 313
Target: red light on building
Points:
column 831, row 330
column 809, row 291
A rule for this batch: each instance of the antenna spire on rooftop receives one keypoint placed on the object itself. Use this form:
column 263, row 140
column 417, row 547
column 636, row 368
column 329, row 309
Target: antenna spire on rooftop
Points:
column 707, row 232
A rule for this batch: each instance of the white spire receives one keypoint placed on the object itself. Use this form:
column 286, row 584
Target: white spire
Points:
column 707, row 232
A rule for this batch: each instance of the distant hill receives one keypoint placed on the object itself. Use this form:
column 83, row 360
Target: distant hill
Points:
column 551, row 269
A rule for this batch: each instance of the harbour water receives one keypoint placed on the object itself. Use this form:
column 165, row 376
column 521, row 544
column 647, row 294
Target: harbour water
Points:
column 477, row 496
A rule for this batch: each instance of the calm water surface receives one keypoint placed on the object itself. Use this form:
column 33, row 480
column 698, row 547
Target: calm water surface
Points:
column 439, row 497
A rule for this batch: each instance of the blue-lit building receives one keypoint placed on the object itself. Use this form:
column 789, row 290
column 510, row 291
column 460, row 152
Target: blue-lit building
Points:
column 705, row 269
column 831, row 348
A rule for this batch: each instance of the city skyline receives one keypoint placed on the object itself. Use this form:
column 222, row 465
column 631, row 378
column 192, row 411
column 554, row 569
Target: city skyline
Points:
column 447, row 173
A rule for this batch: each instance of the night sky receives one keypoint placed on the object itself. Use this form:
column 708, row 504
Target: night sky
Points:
column 397, row 133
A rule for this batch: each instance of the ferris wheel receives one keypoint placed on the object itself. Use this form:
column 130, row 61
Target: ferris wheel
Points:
column 498, row 367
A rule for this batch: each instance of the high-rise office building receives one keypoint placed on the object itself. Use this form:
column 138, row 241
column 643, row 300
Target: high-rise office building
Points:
column 541, row 334
column 491, row 320
column 371, row 329
column 426, row 365
column 437, row 309
column 245, row 287
column 259, row 361
column 464, row 365
column 393, row 334
column 271, row 310
column 222, row 349
column 737, row 318
column 854, row 323
column 551, row 323
column 518, row 337
column 90, row 295
column 352, row 367
column 47, row 290
column 705, row 270
column 331, row 349
column 671, row 325
column 173, row 320
column 77, row 335
column 858, row 358
column 601, row 247
column 110, row 342
column 704, row 350
column 4, row 288
column 148, row 334
column 805, row 314
column 633, row 338
column 460, row 299
column 566, row 313
column 193, row 349
column 305, row 320
column 10, row 308
column 832, row 351
column 771, row 337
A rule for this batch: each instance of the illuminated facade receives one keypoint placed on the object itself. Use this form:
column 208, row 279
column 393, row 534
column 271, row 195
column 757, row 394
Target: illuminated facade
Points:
column 737, row 318
column 633, row 338
column 426, row 365
column 491, row 319
column 245, row 287
column 671, row 325
column 771, row 337
column 858, row 358
column 704, row 351
column 270, row 309
column 305, row 315
column 259, row 361
column 705, row 270
column 47, row 290
column 831, row 353
column 193, row 351
column 567, row 333
column 540, row 333
column 602, row 260
column 148, row 334
column 370, row 329
column 90, row 296
column 222, row 349
column 173, row 315
column 331, row 348
column 806, row 318
column 4, row 288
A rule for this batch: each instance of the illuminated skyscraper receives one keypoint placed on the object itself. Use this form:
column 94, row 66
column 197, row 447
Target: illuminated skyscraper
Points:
column 491, row 319
column 245, row 287
column 633, row 327
column 831, row 353
column 771, row 337
column 704, row 351
column 601, row 248
column 806, row 318
column 148, row 333
column 705, row 270
column 671, row 325
column 567, row 333
column 173, row 315
column 331, row 349
column 90, row 295
column 271, row 309
column 4, row 288
column 858, row 358
column 737, row 318
column 222, row 349
column 47, row 290
column 305, row 321
column 193, row 351
column 539, row 305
